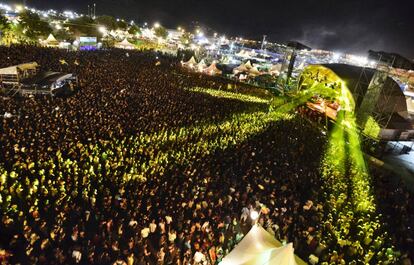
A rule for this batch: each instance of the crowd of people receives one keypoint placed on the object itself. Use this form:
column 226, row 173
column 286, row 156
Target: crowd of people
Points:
column 135, row 168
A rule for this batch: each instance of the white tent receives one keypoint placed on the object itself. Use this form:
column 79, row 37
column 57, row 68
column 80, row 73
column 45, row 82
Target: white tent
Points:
column 125, row 44
column 248, row 65
column 51, row 41
column 241, row 69
column 243, row 53
column 254, row 71
column 259, row 247
column 201, row 65
column 225, row 60
column 14, row 70
column 190, row 63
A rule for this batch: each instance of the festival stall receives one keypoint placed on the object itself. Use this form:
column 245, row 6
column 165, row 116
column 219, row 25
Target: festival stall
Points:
column 125, row 44
column 259, row 247
column 201, row 65
column 254, row 71
column 275, row 69
column 243, row 68
column 51, row 42
column 212, row 69
column 190, row 63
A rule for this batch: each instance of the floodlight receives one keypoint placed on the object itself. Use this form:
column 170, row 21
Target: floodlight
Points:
column 254, row 215
column 102, row 29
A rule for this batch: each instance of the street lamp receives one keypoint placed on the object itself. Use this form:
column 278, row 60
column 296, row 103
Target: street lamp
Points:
column 102, row 29
column 157, row 25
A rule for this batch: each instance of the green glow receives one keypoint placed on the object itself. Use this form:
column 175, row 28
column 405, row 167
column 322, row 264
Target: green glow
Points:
column 372, row 128
column 125, row 160
column 228, row 95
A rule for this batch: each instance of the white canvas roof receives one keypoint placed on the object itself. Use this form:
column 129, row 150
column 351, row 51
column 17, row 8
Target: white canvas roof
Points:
column 243, row 53
column 259, row 247
column 275, row 68
column 240, row 68
column 248, row 64
column 51, row 39
column 192, row 61
column 254, row 71
column 125, row 44
column 202, row 63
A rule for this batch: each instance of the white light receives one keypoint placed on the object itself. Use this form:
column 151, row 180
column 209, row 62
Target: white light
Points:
column 254, row 215
column 102, row 29
column 157, row 25
column 19, row 8
column 336, row 56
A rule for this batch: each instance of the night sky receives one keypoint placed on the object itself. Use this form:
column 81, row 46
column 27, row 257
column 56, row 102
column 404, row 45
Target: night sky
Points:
column 339, row 25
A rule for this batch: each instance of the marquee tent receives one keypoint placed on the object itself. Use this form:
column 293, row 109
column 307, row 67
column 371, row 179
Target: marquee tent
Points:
column 225, row 60
column 259, row 247
column 51, row 41
column 243, row 68
column 212, row 69
column 190, row 63
column 275, row 69
column 243, row 53
column 248, row 65
column 125, row 44
column 254, row 71
column 201, row 65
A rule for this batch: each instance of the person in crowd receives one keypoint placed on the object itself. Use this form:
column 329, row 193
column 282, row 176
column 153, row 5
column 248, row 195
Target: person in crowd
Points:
column 130, row 169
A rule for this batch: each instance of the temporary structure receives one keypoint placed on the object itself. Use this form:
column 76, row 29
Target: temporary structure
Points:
column 248, row 64
column 125, row 44
column 243, row 68
column 51, row 41
column 275, row 69
column 190, row 63
column 201, row 65
column 259, row 247
column 243, row 53
column 212, row 69
column 15, row 73
column 254, row 71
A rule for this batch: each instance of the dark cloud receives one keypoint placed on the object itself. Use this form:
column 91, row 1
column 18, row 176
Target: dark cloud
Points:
column 349, row 26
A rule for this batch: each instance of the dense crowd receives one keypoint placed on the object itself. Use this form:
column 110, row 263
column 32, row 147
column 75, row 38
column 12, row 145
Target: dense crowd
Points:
column 135, row 168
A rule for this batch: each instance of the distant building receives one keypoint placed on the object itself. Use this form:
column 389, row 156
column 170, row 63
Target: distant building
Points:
column 392, row 59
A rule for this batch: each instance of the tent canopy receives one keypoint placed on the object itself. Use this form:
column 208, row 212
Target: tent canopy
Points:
column 192, row 61
column 125, row 44
column 51, row 39
column 202, row 64
column 248, row 64
column 212, row 69
column 259, row 247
